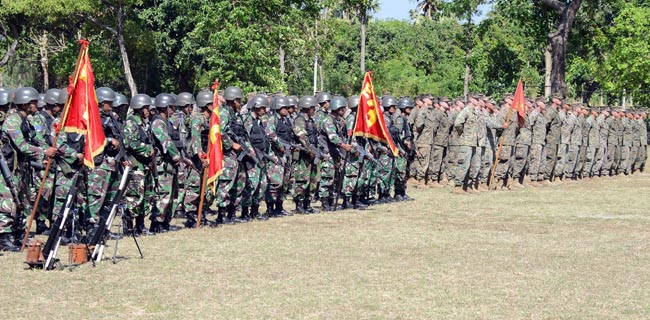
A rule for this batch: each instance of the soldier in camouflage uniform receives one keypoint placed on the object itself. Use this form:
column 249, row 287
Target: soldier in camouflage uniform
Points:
column 425, row 126
column 628, row 143
column 591, row 143
column 354, row 175
column 42, row 121
column 306, row 173
column 582, row 155
column 523, row 142
column 564, row 141
column 440, row 146
column 538, row 143
column 280, row 174
column 333, row 144
column 467, row 125
column 613, row 147
column 7, row 202
column 179, row 133
column 138, row 142
column 167, row 159
column 398, row 129
column 454, row 145
column 601, row 151
column 553, row 128
column 575, row 141
column 643, row 142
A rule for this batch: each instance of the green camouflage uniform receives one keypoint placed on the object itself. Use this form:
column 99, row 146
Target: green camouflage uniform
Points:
column 591, row 145
column 643, row 144
column 42, row 123
column 305, row 170
column 601, row 151
column 508, row 140
column 167, row 156
column 468, row 163
column 537, row 147
column 575, row 141
column 611, row 161
column 332, row 136
column 260, row 137
column 352, row 169
column 522, row 149
column 426, row 125
column 69, row 146
column 454, row 146
column 440, row 146
column 139, row 194
column 553, row 127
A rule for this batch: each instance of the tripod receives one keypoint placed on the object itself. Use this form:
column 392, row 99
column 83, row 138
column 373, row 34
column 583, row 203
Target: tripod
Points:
column 122, row 211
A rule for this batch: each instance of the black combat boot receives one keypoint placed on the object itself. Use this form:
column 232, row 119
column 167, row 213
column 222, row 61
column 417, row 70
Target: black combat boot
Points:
column 156, row 227
column 190, row 223
column 41, row 227
column 270, row 210
column 358, row 204
column 280, row 209
column 308, row 208
column 127, row 225
column 140, row 229
column 255, row 212
column 245, row 216
column 222, row 218
column 7, row 243
column 346, row 203
column 232, row 214
column 300, row 209
column 326, row 204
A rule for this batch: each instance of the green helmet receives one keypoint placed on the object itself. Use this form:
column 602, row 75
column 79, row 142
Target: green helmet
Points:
column 280, row 102
column 232, row 93
column 324, row 97
column 404, row 103
column 204, row 98
column 338, row 102
column 105, row 95
column 388, row 101
column 5, row 96
column 184, row 98
column 25, row 95
column 293, row 101
column 120, row 100
column 257, row 102
column 52, row 96
column 307, row 102
column 353, row 102
column 165, row 100
column 63, row 97
column 139, row 101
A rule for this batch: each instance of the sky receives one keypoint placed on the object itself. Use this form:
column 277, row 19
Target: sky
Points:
column 399, row 9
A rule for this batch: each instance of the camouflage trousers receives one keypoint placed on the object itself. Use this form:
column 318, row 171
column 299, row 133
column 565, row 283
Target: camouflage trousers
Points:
column 611, row 161
column 435, row 163
column 256, row 184
column 183, row 175
column 384, row 176
column 536, row 163
column 139, row 194
column 599, row 159
column 571, row 161
column 451, row 162
column 641, row 157
column 167, row 193
column 560, row 164
column 589, row 162
column 103, row 182
column 550, row 153
column 275, row 173
column 520, row 162
column 46, row 201
column 487, row 163
column 625, row 157
column 192, row 190
column 305, row 176
column 505, row 163
column 328, row 175
column 580, row 163
column 351, row 179
column 63, row 184
column 367, row 179
column 399, row 176
column 226, row 192
column 422, row 161
column 468, row 163
column 7, row 206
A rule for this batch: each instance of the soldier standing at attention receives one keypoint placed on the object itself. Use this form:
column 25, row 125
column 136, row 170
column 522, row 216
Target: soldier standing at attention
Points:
column 553, row 128
column 305, row 171
column 468, row 160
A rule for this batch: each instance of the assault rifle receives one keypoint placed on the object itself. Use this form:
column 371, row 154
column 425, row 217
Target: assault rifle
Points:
column 9, row 179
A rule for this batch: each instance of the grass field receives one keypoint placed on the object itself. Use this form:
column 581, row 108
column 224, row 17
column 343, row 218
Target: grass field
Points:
column 574, row 251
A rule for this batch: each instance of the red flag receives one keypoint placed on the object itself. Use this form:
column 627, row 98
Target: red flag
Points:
column 215, row 151
column 81, row 111
column 519, row 105
column 370, row 119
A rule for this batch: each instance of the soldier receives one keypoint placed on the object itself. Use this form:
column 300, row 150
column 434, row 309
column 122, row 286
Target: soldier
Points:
column 627, row 153
column 278, row 174
column 601, row 151
column 613, row 147
column 179, row 133
column 643, row 142
column 553, row 128
column 354, row 171
column 402, row 139
column 566, row 128
column 167, row 159
column 508, row 140
column 306, row 173
column 582, row 155
column 575, row 141
column 538, row 142
column 8, row 203
column 591, row 144
column 261, row 139
column 467, row 126
column 523, row 142
column 138, row 142
column 332, row 144
column 323, row 99
column 425, row 127
column 21, row 138
column 454, row 144
column 489, row 143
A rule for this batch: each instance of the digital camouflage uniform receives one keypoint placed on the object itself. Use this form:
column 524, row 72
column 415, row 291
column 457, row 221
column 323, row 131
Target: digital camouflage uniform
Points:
column 508, row 139
column 489, row 144
column 454, row 146
column 553, row 127
column 537, row 147
column 522, row 149
column 611, row 161
column 591, row 143
column 426, row 125
column 467, row 125
column 601, row 150
column 573, row 148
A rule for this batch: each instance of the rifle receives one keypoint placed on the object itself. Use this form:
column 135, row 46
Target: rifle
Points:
column 364, row 154
column 107, row 221
column 9, row 179
column 54, row 240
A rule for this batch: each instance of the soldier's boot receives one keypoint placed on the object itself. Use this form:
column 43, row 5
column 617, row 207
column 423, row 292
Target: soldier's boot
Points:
column 308, row 208
column 222, row 218
column 41, row 227
column 300, row 209
column 271, row 212
column 140, row 229
column 346, row 203
column 7, row 243
column 232, row 214
column 279, row 207
column 245, row 216
column 458, row 190
column 127, row 224
column 326, row 204
column 357, row 203
column 255, row 212
column 191, row 219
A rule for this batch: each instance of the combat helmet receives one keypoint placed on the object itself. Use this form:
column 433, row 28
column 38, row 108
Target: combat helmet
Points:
column 120, row 100
column 52, row 96
column 139, row 101
column 404, row 103
column 5, row 96
column 184, row 98
column 338, row 102
column 307, row 102
column 164, row 100
column 324, row 97
column 280, row 102
column 232, row 93
column 204, row 98
column 353, row 102
column 257, row 102
column 25, row 95
column 105, row 94
column 388, row 101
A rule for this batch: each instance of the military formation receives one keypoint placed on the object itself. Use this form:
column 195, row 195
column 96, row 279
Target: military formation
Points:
column 281, row 149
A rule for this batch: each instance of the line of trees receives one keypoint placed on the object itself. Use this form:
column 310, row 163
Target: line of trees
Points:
column 570, row 47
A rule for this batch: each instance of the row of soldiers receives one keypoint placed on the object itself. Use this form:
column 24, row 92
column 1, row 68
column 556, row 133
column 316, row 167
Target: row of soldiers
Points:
column 458, row 142
column 274, row 147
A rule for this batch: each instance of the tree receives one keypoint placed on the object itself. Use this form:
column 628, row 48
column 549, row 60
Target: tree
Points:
column 428, row 9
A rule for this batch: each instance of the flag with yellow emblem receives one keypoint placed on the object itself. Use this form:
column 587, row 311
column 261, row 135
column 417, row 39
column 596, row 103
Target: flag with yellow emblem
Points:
column 519, row 105
column 81, row 111
column 370, row 119
column 215, row 151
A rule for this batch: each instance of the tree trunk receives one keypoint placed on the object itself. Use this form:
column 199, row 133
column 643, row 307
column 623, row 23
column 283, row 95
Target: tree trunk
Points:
column 548, row 65
column 11, row 49
column 125, row 56
column 42, row 50
column 468, row 52
column 558, row 41
column 282, row 66
column 364, row 22
column 322, row 78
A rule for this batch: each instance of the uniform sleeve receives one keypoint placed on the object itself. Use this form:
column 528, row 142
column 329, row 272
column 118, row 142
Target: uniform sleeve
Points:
column 224, row 121
column 12, row 128
column 159, row 130
column 194, row 146
column 330, row 131
column 133, row 144
column 460, row 121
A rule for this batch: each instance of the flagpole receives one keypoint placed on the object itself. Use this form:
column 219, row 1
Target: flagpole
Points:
column 204, row 179
column 66, row 108
column 496, row 160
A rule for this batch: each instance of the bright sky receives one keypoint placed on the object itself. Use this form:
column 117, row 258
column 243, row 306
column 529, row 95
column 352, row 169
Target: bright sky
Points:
column 399, row 9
